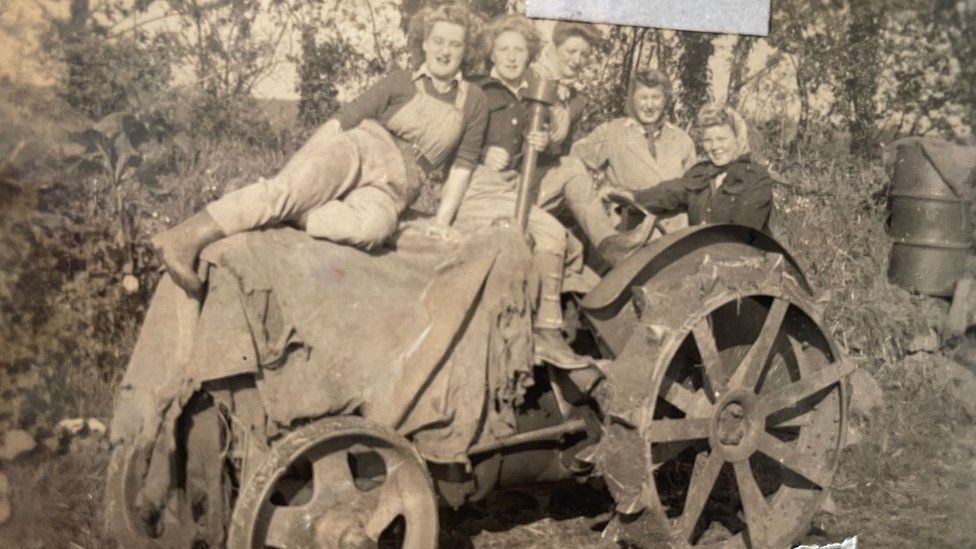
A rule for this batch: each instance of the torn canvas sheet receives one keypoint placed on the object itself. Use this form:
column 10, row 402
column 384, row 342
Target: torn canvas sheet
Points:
column 433, row 338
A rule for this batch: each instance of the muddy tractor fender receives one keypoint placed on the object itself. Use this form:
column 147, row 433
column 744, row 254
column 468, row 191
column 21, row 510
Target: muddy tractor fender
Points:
column 606, row 305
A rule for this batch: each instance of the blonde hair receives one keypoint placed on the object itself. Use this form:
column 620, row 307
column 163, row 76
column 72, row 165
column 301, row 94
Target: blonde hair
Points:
column 514, row 23
column 423, row 22
column 714, row 114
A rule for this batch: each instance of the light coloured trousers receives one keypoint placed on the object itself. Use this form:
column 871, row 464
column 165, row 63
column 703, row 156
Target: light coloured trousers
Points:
column 334, row 187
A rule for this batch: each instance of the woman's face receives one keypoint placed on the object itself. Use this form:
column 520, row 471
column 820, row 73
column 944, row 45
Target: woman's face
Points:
column 571, row 55
column 649, row 103
column 720, row 144
column 444, row 49
column 510, row 55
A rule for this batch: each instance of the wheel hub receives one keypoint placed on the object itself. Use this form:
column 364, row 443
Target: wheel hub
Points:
column 736, row 426
column 731, row 424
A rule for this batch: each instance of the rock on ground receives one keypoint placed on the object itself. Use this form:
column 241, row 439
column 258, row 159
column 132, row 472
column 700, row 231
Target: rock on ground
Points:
column 15, row 444
column 866, row 394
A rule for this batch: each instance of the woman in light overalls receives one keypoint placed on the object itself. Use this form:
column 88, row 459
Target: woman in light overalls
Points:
column 357, row 174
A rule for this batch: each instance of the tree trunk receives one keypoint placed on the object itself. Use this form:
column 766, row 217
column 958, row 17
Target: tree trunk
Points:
column 737, row 71
column 695, row 77
column 864, row 42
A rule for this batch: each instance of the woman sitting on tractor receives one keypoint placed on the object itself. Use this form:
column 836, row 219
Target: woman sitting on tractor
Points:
column 643, row 148
column 357, row 174
column 512, row 42
column 727, row 187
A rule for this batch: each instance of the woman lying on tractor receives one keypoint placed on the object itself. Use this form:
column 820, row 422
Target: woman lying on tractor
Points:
column 356, row 175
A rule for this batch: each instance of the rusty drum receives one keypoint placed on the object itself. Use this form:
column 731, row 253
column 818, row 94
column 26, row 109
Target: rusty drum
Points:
column 931, row 223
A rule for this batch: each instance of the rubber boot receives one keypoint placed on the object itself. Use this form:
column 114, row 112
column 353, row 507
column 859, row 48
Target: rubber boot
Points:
column 616, row 248
column 180, row 246
column 549, row 343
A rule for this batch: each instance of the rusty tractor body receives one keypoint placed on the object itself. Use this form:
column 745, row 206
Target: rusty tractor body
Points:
column 720, row 422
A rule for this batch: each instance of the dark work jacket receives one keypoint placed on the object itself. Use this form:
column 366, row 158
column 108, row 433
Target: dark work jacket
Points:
column 744, row 198
column 507, row 119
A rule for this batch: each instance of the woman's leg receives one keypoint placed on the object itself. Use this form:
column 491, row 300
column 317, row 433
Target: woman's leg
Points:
column 324, row 168
column 365, row 218
column 549, row 257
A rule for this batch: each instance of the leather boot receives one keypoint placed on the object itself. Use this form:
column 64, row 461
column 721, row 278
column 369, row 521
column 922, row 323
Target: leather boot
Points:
column 616, row 248
column 549, row 343
column 179, row 247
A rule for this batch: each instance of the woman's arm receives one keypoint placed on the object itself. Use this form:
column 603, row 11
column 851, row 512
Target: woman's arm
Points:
column 668, row 197
column 592, row 149
column 374, row 101
column 452, row 194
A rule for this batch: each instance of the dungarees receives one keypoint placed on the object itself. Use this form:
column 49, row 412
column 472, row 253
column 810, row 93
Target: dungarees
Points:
column 351, row 187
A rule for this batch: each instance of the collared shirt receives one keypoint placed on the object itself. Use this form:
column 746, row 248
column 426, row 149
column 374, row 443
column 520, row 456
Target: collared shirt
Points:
column 621, row 148
column 389, row 94
column 515, row 91
column 424, row 70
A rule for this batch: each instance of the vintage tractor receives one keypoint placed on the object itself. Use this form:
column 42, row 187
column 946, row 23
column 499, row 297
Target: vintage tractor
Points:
column 720, row 421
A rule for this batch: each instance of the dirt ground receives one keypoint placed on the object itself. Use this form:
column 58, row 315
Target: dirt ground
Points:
column 907, row 480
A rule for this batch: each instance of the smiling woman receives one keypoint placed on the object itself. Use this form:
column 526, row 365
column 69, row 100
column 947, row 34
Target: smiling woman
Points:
column 728, row 187
column 357, row 174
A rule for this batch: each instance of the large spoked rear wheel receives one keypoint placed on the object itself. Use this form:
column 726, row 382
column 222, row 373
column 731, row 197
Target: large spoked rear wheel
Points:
column 340, row 482
column 748, row 421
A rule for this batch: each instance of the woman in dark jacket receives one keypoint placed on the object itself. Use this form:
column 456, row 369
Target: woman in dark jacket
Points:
column 728, row 187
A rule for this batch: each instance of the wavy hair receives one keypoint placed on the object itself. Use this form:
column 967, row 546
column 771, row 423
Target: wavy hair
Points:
column 649, row 78
column 565, row 30
column 714, row 114
column 421, row 24
column 505, row 23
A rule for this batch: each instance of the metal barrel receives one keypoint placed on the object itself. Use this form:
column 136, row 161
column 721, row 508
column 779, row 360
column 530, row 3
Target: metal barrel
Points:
column 931, row 223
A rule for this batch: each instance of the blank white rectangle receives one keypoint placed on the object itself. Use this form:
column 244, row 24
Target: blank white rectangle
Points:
column 722, row 16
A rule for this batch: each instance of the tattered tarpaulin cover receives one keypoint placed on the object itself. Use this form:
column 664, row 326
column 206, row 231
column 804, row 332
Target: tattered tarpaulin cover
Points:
column 433, row 338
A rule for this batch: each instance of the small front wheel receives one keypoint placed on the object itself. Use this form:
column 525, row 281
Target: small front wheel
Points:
column 339, row 482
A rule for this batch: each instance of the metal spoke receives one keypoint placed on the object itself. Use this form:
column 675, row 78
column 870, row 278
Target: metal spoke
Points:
column 750, row 369
column 683, row 398
column 703, row 478
column 663, row 453
column 753, row 503
column 802, row 420
column 712, row 366
column 802, row 364
column 792, row 394
column 332, row 477
column 290, row 527
column 795, row 461
column 673, row 430
column 391, row 500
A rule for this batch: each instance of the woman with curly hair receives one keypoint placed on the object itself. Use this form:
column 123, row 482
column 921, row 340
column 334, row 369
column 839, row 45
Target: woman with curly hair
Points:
column 511, row 43
column 357, row 174
column 727, row 187
column 643, row 148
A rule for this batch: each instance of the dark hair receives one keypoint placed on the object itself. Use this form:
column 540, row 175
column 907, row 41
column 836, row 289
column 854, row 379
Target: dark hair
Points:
column 565, row 30
column 652, row 78
column 510, row 22
column 458, row 14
